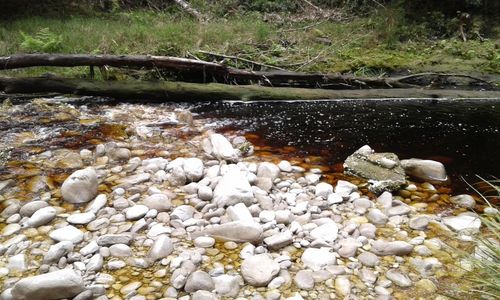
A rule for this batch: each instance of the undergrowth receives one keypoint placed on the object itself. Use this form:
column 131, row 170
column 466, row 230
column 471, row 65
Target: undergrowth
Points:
column 377, row 44
column 482, row 279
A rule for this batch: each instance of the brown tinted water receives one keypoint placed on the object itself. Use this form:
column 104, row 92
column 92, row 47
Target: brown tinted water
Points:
column 462, row 134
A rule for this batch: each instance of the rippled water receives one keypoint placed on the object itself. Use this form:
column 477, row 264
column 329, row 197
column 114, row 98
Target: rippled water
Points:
column 463, row 134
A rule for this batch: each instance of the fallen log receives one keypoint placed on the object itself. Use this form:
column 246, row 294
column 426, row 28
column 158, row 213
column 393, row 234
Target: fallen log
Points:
column 203, row 71
column 194, row 92
column 190, row 10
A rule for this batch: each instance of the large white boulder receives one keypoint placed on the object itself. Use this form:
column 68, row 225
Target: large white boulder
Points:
column 233, row 188
column 218, row 146
column 80, row 187
column 193, row 168
column 54, row 285
column 426, row 170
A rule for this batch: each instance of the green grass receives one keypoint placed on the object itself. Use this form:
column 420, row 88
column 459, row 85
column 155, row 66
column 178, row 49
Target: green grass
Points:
column 482, row 280
column 363, row 46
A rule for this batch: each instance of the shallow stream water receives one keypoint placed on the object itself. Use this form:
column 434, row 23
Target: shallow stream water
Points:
column 462, row 134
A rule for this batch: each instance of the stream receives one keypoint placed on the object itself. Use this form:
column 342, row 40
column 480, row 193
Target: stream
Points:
column 159, row 227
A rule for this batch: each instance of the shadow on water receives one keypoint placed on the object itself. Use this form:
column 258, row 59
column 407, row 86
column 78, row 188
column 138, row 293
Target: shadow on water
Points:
column 463, row 134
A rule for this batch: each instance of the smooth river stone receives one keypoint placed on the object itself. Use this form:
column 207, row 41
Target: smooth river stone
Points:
column 220, row 147
column 57, row 251
column 54, row 285
column 160, row 202
column 162, row 247
column 80, row 187
column 112, row 239
column 236, row 231
column 136, row 212
column 67, row 233
column 28, row 209
column 316, row 259
column 81, row 218
column 385, row 248
column 42, row 216
column 259, row 270
column 233, row 188
column 426, row 170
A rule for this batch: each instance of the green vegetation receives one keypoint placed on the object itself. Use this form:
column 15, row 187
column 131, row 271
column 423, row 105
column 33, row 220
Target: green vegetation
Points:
column 482, row 280
column 380, row 42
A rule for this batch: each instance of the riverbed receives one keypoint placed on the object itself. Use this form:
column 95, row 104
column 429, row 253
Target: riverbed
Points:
column 45, row 140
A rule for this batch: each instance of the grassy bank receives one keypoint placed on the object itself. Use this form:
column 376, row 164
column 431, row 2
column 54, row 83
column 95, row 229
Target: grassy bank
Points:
column 367, row 46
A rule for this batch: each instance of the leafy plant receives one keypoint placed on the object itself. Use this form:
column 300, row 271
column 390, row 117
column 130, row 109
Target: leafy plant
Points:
column 43, row 41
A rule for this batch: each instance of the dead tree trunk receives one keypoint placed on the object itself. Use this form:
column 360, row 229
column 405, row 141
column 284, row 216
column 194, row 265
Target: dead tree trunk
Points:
column 193, row 69
column 184, row 92
column 190, row 10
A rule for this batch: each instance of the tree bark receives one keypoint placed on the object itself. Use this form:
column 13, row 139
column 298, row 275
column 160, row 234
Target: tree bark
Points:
column 194, row 92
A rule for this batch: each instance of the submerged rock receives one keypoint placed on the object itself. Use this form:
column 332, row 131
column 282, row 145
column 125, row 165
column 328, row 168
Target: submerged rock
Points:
column 54, row 285
column 463, row 222
column 383, row 170
column 426, row 170
column 384, row 248
column 80, row 187
column 463, row 200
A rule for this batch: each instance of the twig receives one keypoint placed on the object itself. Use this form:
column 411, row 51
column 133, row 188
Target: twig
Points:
column 312, row 5
column 241, row 59
column 378, row 3
column 320, row 54
column 190, row 55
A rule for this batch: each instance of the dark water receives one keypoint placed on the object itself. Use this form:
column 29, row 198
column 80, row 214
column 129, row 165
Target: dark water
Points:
column 463, row 134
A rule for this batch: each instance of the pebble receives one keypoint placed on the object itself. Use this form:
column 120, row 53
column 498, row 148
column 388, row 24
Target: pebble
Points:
column 120, row 250
column 400, row 279
column 67, row 233
column 384, row 248
column 199, row 280
column 259, row 270
column 368, row 259
column 343, row 285
column 227, row 285
column 377, row 217
column 136, row 212
column 463, row 222
column 160, row 202
column 204, row 242
column 81, row 218
column 317, row 259
column 42, row 216
column 327, row 232
column 419, row 223
column 304, row 280
column 11, row 229
column 28, row 209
